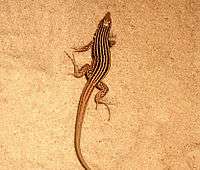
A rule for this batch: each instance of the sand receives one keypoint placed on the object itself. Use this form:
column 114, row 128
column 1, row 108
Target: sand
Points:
column 154, row 85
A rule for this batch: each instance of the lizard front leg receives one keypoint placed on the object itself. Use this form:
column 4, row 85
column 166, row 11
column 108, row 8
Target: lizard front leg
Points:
column 86, row 47
column 112, row 39
column 83, row 48
column 78, row 72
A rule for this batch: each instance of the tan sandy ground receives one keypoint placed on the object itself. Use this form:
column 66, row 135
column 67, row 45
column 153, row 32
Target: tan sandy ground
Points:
column 154, row 85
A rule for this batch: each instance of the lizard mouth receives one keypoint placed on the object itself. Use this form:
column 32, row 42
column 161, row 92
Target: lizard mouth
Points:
column 107, row 16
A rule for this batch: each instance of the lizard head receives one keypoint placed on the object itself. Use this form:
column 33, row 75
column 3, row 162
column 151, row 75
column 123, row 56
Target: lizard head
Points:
column 106, row 21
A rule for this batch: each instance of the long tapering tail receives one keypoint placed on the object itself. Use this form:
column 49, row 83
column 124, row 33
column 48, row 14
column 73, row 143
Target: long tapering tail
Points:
column 87, row 91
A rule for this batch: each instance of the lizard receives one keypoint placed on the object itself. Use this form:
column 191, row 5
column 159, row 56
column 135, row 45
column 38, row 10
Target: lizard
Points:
column 94, row 73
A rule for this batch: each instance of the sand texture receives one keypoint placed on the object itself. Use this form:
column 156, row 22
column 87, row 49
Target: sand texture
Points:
column 154, row 85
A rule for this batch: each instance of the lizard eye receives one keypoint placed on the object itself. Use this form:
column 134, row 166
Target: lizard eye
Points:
column 106, row 23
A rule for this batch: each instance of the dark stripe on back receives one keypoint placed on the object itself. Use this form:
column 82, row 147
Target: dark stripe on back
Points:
column 101, row 53
column 103, row 57
column 96, row 50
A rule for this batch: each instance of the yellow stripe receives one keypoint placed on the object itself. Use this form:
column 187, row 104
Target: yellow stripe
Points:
column 102, row 55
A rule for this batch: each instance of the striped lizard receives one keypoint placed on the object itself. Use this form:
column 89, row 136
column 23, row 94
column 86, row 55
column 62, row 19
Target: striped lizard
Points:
column 94, row 73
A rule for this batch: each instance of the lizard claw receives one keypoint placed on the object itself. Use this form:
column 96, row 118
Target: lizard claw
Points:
column 71, row 58
column 101, row 102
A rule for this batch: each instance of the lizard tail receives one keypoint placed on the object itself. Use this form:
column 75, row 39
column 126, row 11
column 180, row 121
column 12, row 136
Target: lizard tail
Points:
column 87, row 91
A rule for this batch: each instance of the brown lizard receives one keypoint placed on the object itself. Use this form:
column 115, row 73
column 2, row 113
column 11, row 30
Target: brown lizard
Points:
column 94, row 73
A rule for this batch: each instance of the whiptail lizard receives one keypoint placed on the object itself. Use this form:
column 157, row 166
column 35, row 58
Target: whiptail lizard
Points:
column 94, row 73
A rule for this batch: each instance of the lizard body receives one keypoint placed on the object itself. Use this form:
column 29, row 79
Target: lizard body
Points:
column 94, row 73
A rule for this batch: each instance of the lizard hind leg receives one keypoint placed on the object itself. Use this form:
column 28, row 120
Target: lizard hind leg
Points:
column 99, row 96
